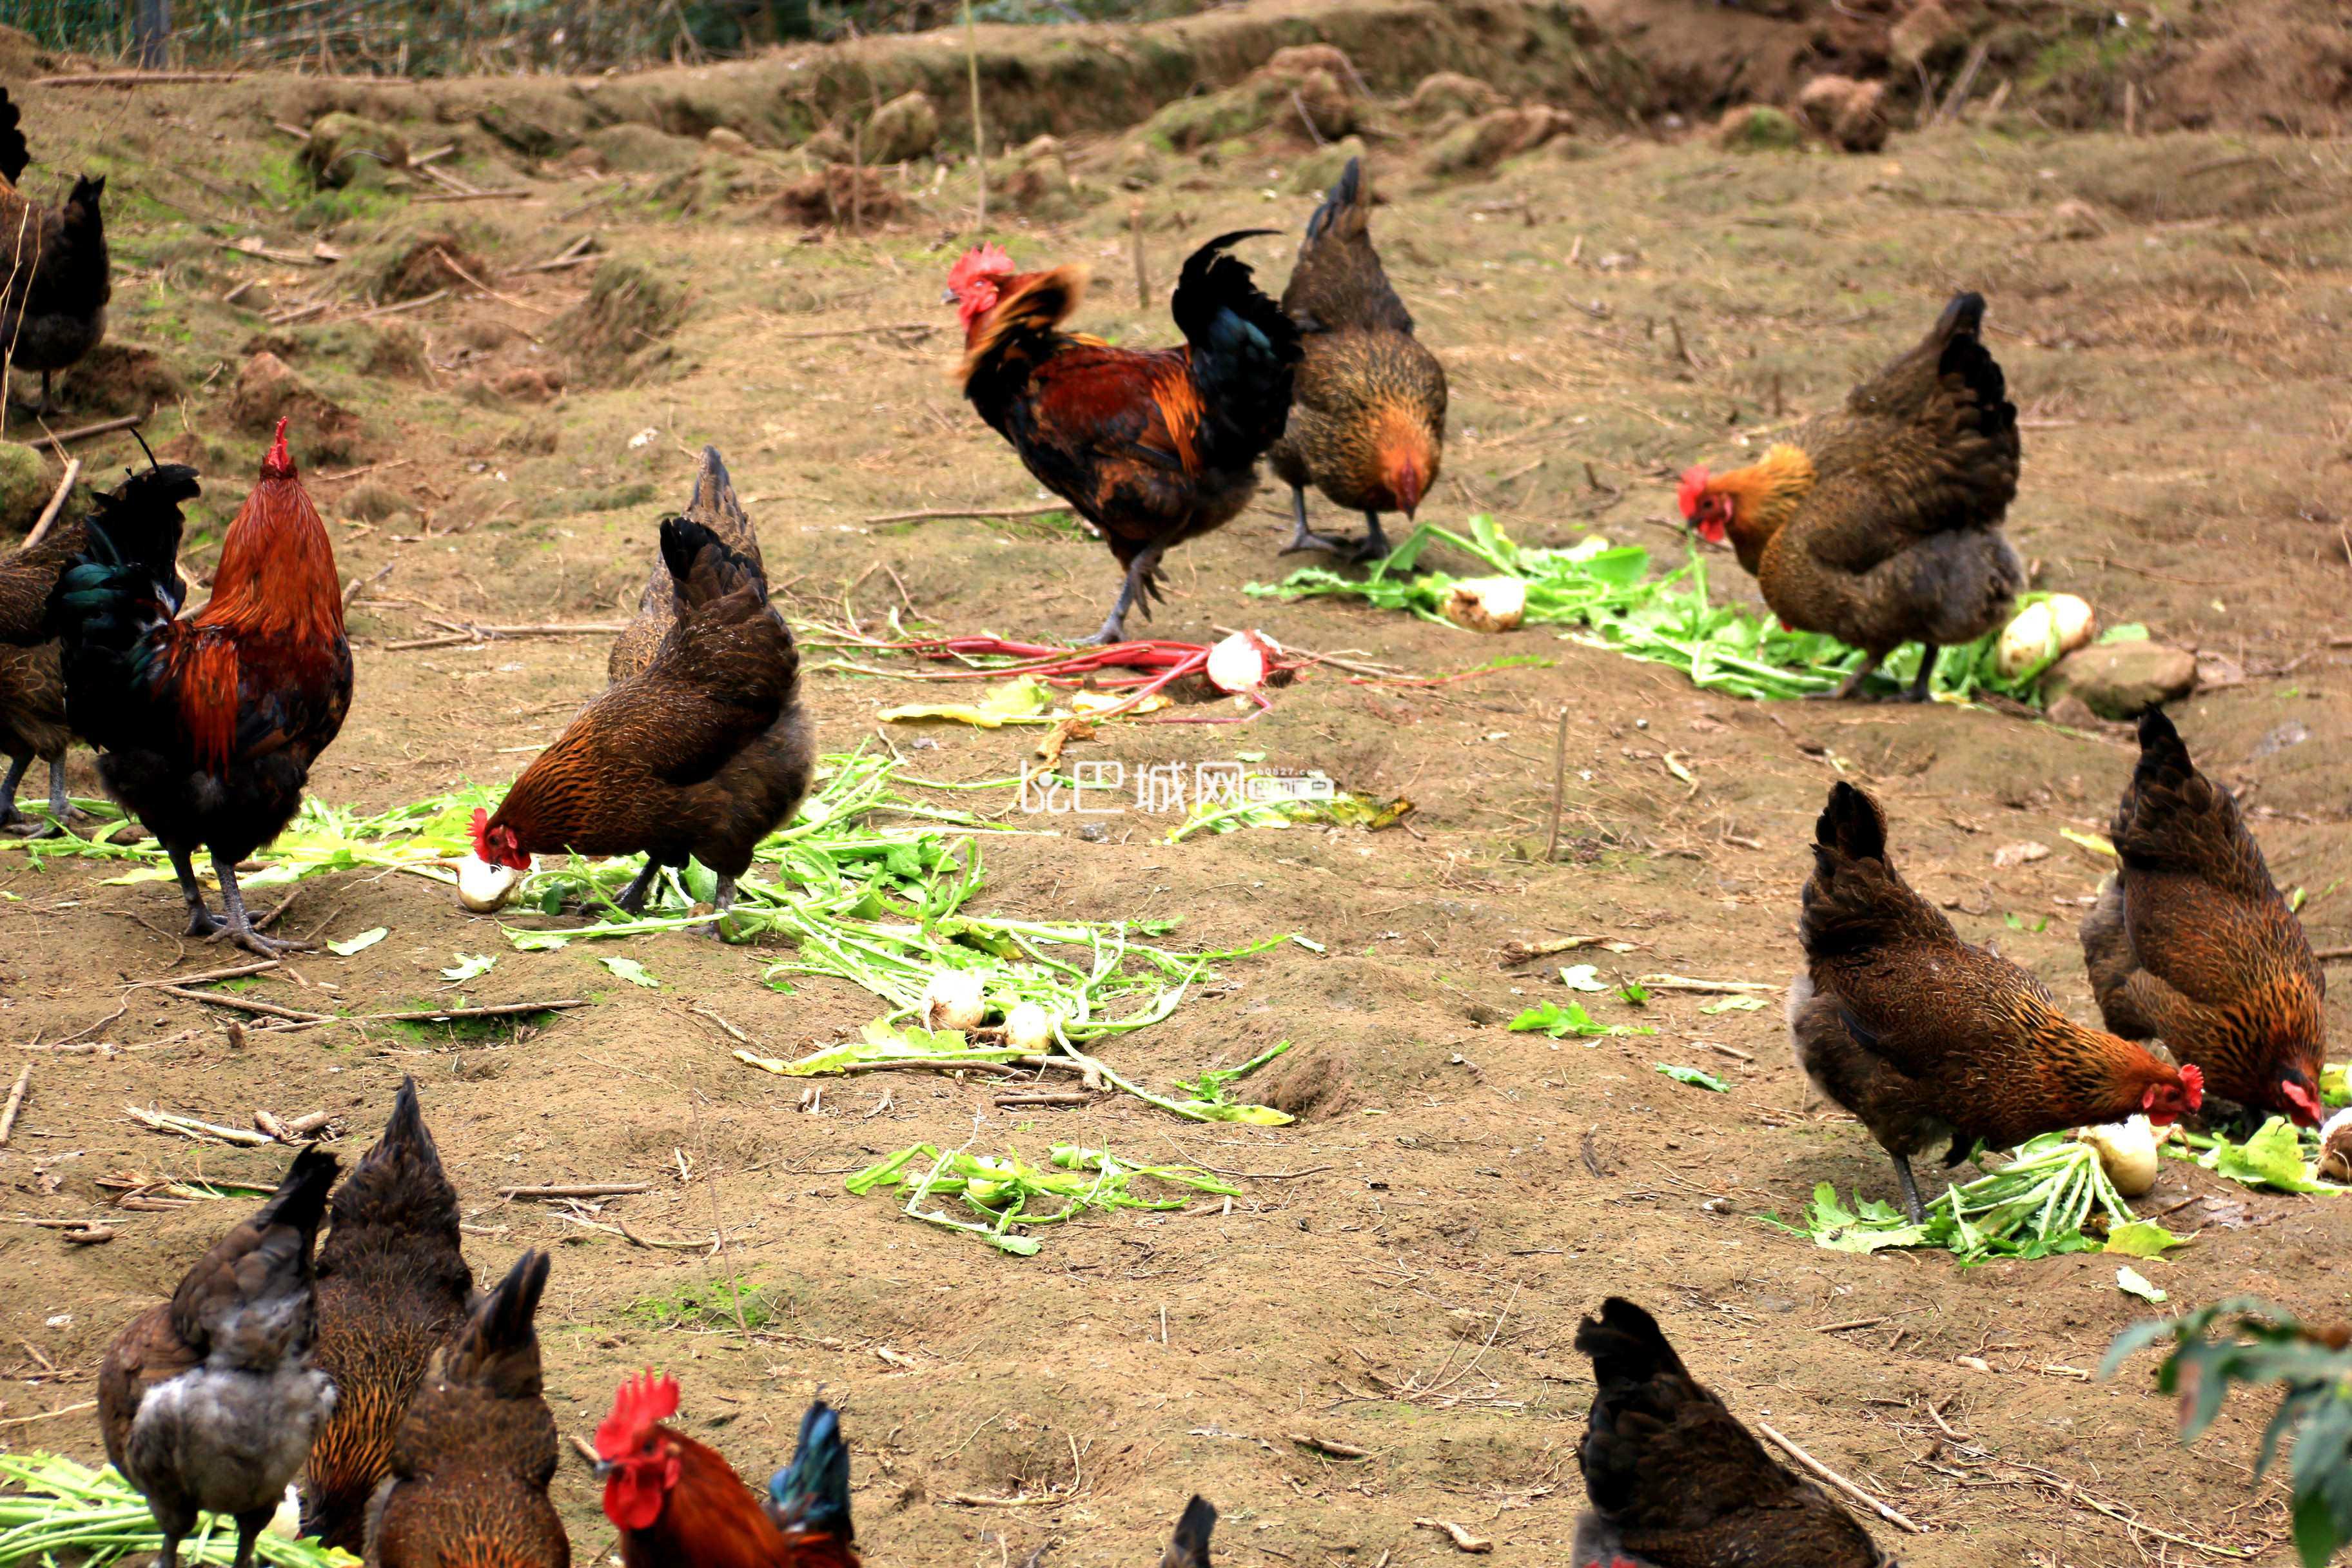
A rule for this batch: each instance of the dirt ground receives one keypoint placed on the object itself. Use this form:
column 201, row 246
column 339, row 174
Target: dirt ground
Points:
column 1405, row 1269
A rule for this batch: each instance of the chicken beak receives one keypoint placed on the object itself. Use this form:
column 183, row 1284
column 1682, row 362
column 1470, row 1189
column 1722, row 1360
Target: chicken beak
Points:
column 602, row 1469
column 948, row 297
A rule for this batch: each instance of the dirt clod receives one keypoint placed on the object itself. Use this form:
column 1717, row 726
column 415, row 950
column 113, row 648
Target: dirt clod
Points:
column 319, row 428
column 908, row 127
column 629, row 314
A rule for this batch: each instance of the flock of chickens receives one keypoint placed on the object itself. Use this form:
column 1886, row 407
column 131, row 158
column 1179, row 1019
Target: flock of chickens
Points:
column 413, row 1405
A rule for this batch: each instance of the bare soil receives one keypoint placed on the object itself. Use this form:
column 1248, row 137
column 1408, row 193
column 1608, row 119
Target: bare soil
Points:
column 1407, row 1265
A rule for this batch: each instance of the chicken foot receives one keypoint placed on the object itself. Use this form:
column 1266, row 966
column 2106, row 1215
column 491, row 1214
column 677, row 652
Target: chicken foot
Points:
column 722, row 900
column 239, row 927
column 1912, row 1206
column 200, row 918
column 1139, row 590
column 1917, row 691
column 1371, row 547
column 633, row 896
column 61, row 808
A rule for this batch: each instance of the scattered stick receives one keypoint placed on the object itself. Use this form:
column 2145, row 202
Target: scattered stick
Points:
column 1953, row 100
column 881, row 329
column 2332, row 954
column 1861, row 1323
column 357, row 473
column 62, row 438
column 437, row 1016
column 571, row 255
column 234, row 972
column 197, row 1131
column 1709, row 987
column 970, row 512
column 1135, row 242
column 577, row 1189
column 352, row 590
column 289, row 258
column 1461, row 1537
column 136, row 78
column 452, row 263
column 15, row 1104
column 417, row 304
column 1044, row 1097
column 1334, row 1448
column 1884, row 1511
column 56, row 503
column 978, row 129
column 243, row 1004
column 1734, row 1052
column 468, row 196
column 1559, row 786
column 52, row 1414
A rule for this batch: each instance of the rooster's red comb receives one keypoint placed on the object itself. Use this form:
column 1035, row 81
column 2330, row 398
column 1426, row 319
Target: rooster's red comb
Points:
column 1695, row 482
column 481, row 834
column 981, row 261
column 2192, row 1084
column 279, row 463
column 641, row 1403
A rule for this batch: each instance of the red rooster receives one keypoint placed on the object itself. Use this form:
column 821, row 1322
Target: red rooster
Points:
column 1151, row 446
column 678, row 1504
column 208, row 725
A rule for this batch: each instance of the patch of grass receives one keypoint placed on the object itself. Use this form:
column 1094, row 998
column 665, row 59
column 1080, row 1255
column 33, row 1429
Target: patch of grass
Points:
column 695, row 1304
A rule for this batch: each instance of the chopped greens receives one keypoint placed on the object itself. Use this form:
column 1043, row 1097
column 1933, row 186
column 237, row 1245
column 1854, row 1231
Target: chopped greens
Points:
column 1606, row 590
column 2055, row 1198
column 1693, row 1076
column 2277, row 1156
column 998, row 1190
column 1551, row 1018
column 94, row 1517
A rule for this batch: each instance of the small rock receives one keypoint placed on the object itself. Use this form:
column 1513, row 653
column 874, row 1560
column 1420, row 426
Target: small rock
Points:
column 1299, row 63
column 1757, row 128
column 1848, row 114
column 1321, row 169
column 1449, row 95
column 728, row 139
column 2294, row 732
column 2073, row 219
column 2123, row 679
column 1926, row 30
column 2023, row 854
column 373, row 502
column 344, row 148
column 1477, row 146
column 269, row 390
column 531, row 384
column 905, row 127
column 26, row 484
column 639, row 149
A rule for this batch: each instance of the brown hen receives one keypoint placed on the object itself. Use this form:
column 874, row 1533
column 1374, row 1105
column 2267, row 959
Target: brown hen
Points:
column 1368, row 407
column 1926, row 1038
column 1676, row 1481
column 53, row 304
column 700, row 754
column 1880, row 524
column 2191, row 942
column 392, row 1283
column 33, row 724
column 208, row 1401
column 29, row 574
column 471, row 1464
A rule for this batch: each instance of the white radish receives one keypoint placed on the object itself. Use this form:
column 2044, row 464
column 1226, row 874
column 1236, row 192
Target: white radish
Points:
column 953, row 1000
column 2336, row 1147
column 1486, row 603
column 2046, row 629
column 1029, row 1027
column 1240, row 663
column 2127, row 1150
column 484, row 888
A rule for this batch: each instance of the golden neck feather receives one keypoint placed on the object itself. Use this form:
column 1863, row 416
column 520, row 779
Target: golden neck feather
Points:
column 1765, row 494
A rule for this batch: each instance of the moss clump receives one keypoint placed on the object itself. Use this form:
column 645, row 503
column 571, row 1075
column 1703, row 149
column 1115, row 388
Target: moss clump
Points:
column 625, row 323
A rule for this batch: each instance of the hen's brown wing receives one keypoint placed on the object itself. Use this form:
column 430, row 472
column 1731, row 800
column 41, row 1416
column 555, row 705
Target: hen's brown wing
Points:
column 1930, row 444
column 1338, row 281
column 145, row 1354
column 27, row 578
column 714, row 505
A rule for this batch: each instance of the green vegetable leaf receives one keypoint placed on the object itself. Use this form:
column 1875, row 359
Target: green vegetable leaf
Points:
column 1693, row 1076
column 2142, row 1239
column 360, row 943
column 2336, row 1084
column 468, row 966
column 1551, row 1018
column 2133, row 1283
column 630, row 970
column 2270, row 1158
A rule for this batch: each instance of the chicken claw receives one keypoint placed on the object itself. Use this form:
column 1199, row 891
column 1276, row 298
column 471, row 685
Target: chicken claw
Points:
column 240, row 928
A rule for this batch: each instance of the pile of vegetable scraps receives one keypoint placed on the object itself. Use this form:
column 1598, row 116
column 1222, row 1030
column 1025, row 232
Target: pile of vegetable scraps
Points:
column 1606, row 590
column 998, row 1190
column 69, row 1512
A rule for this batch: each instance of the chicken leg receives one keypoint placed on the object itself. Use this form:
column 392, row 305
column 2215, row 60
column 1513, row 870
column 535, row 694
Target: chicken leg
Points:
column 61, row 809
column 1371, row 547
column 1917, row 691
column 9, row 815
column 1912, row 1206
column 200, row 918
column 1138, row 591
column 633, row 896
column 240, row 928
column 722, row 900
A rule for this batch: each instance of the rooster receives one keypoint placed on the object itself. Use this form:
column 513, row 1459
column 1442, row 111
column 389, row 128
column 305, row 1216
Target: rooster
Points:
column 208, row 1401
column 392, row 1283
column 2191, row 940
column 1151, row 446
column 1676, row 1481
column 1926, row 1038
column 678, row 1504
column 208, row 726
column 1368, row 419
column 1880, row 524
column 53, row 307
column 472, row 1462
column 701, row 754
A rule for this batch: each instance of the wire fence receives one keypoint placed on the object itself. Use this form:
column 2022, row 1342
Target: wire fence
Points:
column 440, row 37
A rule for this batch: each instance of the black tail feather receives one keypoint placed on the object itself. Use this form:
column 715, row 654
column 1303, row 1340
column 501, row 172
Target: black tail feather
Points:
column 1189, row 1547
column 1347, row 193
column 1960, row 328
column 702, row 565
column 498, row 1346
column 1627, row 1347
column 300, row 1200
column 1243, row 348
column 1852, row 824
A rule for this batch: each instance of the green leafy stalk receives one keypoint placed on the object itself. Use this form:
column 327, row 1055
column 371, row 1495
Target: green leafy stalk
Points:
column 1000, row 1189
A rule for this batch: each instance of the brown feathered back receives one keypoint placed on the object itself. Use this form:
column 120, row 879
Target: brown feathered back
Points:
column 1676, row 1481
column 1367, row 413
column 27, row 576
column 474, row 1456
column 713, row 503
column 392, row 1283
column 2191, row 942
column 1921, row 1035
